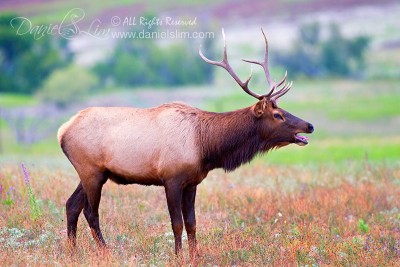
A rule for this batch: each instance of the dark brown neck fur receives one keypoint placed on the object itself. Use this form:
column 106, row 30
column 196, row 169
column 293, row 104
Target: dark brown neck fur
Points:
column 228, row 140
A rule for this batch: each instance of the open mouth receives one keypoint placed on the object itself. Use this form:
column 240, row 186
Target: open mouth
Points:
column 301, row 140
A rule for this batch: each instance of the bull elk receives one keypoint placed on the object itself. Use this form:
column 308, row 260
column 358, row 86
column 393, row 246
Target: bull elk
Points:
column 173, row 145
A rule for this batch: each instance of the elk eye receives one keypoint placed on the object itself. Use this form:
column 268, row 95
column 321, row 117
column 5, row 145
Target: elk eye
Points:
column 278, row 116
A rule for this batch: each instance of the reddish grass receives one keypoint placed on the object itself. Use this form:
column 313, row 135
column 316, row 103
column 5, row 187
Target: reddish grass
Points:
column 259, row 215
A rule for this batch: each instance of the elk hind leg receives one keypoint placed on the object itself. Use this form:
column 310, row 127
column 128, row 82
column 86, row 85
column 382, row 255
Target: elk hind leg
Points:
column 74, row 207
column 93, row 187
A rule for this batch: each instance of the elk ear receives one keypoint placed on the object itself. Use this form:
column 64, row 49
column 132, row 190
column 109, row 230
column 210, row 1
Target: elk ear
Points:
column 259, row 108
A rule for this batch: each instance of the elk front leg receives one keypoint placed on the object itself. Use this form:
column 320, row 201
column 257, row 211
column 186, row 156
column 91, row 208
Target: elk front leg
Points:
column 174, row 200
column 189, row 216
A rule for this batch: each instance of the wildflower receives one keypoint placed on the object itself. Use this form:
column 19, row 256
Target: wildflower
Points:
column 34, row 205
column 27, row 177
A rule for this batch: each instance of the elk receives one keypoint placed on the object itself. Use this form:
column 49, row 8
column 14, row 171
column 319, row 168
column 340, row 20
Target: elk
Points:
column 173, row 145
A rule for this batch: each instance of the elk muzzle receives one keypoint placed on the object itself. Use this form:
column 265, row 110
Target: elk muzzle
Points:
column 303, row 140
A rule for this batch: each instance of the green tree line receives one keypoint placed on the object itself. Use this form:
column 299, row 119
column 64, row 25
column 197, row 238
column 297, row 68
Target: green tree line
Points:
column 141, row 62
column 26, row 62
column 45, row 66
column 315, row 56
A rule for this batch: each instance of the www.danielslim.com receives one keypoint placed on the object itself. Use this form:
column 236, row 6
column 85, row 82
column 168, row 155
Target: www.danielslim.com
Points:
column 167, row 34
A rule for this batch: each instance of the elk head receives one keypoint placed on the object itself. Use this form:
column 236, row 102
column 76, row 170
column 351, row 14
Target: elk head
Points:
column 277, row 125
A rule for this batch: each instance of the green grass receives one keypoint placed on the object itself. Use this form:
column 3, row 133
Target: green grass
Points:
column 13, row 100
column 336, row 99
column 337, row 150
column 45, row 147
column 364, row 108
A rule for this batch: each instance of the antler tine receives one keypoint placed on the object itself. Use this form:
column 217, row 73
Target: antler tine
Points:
column 264, row 65
column 283, row 79
column 225, row 59
column 225, row 64
column 282, row 91
column 276, row 85
column 273, row 84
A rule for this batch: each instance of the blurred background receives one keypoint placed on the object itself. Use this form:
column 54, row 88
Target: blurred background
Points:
column 58, row 57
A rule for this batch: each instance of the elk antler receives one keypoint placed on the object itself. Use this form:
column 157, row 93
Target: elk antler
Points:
column 286, row 86
column 271, row 95
column 225, row 64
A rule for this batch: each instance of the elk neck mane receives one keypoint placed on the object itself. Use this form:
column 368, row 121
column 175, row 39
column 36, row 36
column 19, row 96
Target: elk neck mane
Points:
column 228, row 140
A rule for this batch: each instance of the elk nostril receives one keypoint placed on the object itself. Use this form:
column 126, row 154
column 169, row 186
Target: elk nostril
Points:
column 310, row 128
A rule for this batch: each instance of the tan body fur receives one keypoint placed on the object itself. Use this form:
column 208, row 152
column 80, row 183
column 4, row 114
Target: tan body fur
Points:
column 144, row 146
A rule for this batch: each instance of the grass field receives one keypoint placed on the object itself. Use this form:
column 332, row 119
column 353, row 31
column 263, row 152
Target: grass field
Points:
column 262, row 214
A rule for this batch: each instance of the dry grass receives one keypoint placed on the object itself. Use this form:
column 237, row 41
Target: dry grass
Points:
column 257, row 216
